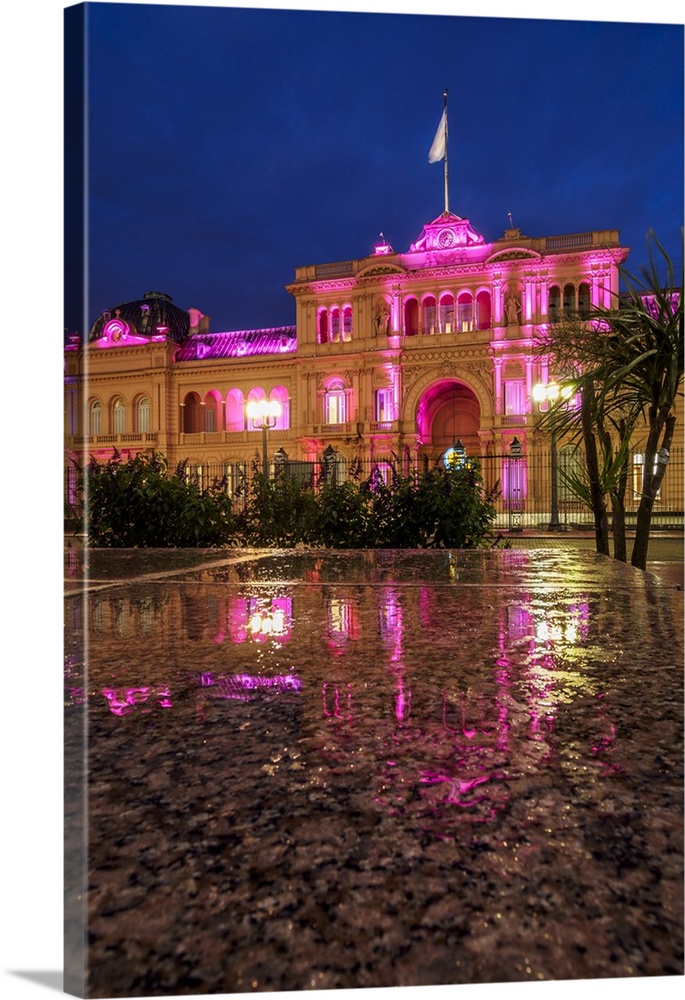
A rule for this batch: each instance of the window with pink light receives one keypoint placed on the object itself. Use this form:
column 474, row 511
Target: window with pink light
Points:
column 447, row 314
column 483, row 310
column 235, row 410
column 411, row 317
column 465, row 312
column 514, row 397
column 280, row 394
column 322, row 326
column 429, row 310
column 347, row 323
column 385, row 405
column 335, row 324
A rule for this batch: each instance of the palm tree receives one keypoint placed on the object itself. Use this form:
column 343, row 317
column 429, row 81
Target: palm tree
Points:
column 627, row 366
column 643, row 372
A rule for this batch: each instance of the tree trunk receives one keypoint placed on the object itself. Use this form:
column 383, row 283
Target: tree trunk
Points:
column 651, row 484
column 619, row 527
column 618, row 500
column 599, row 508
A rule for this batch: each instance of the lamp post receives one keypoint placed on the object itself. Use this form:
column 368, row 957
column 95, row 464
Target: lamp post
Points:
column 264, row 413
column 549, row 393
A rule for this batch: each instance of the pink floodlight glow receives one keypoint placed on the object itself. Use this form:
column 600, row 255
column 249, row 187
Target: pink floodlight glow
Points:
column 260, row 619
column 382, row 247
column 123, row 701
column 391, row 624
column 332, row 701
column 117, row 333
column 244, row 687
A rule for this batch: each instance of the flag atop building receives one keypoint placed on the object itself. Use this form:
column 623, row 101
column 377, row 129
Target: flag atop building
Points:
column 438, row 150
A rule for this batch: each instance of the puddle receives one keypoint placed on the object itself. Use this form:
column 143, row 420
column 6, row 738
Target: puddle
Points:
column 308, row 758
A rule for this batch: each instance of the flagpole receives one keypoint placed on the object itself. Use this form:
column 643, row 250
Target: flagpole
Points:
column 447, row 198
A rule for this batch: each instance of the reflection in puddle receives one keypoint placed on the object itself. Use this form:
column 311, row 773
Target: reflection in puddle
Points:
column 367, row 770
column 442, row 697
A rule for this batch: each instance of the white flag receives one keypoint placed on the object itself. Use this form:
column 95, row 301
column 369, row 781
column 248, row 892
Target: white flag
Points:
column 438, row 150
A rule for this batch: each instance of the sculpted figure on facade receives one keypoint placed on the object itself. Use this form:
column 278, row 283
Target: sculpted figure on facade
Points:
column 381, row 318
column 513, row 310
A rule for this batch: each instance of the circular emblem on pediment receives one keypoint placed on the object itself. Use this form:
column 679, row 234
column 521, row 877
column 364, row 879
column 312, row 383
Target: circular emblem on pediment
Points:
column 446, row 238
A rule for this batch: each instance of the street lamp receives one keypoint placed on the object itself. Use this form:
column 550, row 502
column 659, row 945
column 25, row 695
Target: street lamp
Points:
column 264, row 413
column 549, row 393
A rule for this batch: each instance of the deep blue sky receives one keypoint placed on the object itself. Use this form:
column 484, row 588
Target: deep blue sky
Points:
column 228, row 146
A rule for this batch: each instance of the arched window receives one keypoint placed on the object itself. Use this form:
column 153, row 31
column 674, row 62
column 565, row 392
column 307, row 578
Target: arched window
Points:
column 191, row 420
column 323, row 326
column 335, row 324
column 447, row 313
column 119, row 417
column 143, row 415
column 569, row 301
column 95, row 418
column 235, row 410
column 554, row 303
column 465, row 312
column 584, row 300
column 483, row 310
column 335, row 402
column 411, row 317
column 280, row 394
column 429, row 314
column 347, row 323
column 255, row 395
column 212, row 414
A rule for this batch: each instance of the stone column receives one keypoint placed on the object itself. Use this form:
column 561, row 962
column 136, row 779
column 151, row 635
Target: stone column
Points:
column 498, row 362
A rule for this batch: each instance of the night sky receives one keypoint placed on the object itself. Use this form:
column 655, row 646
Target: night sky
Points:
column 227, row 146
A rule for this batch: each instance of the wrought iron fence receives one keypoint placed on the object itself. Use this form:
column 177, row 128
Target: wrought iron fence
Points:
column 520, row 484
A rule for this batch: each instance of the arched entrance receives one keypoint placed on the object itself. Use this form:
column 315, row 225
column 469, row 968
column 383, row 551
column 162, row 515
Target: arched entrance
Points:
column 448, row 411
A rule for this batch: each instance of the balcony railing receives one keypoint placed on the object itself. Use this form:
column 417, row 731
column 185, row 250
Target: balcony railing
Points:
column 118, row 440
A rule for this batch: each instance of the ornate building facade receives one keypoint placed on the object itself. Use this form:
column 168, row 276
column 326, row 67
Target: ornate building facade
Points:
column 394, row 358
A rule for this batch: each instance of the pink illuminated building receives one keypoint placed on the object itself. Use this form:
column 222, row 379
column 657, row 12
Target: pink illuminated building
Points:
column 393, row 358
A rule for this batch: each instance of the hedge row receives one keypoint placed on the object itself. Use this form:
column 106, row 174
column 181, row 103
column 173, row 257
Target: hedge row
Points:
column 138, row 502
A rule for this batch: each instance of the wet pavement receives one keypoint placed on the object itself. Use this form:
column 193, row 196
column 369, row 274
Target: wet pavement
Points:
column 324, row 770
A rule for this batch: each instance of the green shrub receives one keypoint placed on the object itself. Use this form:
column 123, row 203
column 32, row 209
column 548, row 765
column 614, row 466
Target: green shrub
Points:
column 137, row 503
column 437, row 509
column 278, row 512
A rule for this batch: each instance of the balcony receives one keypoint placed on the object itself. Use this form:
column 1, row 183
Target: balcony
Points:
column 112, row 440
column 333, row 430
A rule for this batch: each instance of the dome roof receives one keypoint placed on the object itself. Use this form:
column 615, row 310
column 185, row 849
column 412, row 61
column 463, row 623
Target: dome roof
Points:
column 146, row 317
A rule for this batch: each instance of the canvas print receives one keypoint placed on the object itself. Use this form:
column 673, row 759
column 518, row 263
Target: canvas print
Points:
column 373, row 501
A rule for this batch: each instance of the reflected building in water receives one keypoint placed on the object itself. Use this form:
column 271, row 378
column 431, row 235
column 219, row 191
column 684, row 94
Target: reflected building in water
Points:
column 401, row 676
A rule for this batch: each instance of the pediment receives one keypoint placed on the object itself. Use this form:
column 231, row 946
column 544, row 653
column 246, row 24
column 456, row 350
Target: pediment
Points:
column 514, row 253
column 378, row 269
